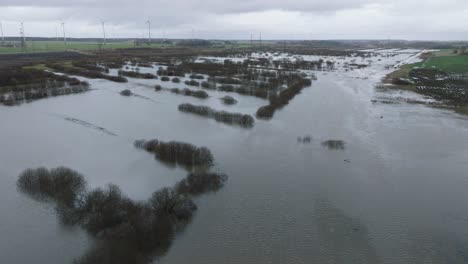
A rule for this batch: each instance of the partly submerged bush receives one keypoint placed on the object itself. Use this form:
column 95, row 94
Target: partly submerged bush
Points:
column 228, row 100
column 220, row 116
column 172, row 203
column 207, row 85
column 126, row 92
column 126, row 231
column 278, row 101
column 192, row 83
column 177, row 152
column 199, row 93
column 61, row 184
column 157, row 87
column 201, row 182
column 175, row 80
column 197, row 76
column 334, row 144
column 85, row 72
column 165, row 79
column 18, row 85
column 135, row 74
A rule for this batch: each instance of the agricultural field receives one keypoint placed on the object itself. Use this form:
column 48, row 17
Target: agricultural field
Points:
column 442, row 75
column 53, row 46
column 449, row 64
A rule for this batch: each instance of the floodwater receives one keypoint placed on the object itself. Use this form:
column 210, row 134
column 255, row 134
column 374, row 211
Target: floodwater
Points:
column 395, row 194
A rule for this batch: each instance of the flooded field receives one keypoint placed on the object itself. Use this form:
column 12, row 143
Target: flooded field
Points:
column 338, row 175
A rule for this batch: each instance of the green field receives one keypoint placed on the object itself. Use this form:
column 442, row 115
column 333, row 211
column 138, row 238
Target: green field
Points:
column 449, row 64
column 43, row 46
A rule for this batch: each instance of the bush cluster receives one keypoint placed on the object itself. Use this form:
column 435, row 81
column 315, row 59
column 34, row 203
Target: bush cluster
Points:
column 178, row 153
column 334, row 144
column 126, row 92
column 220, row 116
column 192, row 83
column 126, row 231
column 197, row 76
column 283, row 98
column 198, row 93
column 228, row 100
column 135, row 74
column 85, row 73
column 17, row 85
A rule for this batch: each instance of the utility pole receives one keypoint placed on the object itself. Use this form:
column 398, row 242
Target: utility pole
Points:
column 64, row 36
column 149, row 32
column 103, row 33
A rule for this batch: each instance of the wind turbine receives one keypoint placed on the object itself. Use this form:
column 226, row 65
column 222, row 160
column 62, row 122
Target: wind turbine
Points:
column 63, row 29
column 23, row 38
column 149, row 31
column 1, row 30
column 103, row 32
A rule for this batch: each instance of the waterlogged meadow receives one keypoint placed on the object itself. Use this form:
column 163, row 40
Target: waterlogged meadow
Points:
column 154, row 164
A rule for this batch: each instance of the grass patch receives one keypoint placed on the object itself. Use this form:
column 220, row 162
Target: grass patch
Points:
column 41, row 67
column 449, row 64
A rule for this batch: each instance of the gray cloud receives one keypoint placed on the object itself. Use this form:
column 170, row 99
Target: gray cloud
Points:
column 411, row 19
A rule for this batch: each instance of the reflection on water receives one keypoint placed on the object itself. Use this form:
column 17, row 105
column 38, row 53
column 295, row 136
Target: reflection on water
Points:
column 402, row 199
column 342, row 239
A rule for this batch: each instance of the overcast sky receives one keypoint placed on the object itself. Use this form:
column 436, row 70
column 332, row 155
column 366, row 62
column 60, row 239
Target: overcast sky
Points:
column 221, row 19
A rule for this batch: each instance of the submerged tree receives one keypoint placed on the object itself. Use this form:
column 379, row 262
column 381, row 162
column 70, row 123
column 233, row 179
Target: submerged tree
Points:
column 126, row 231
